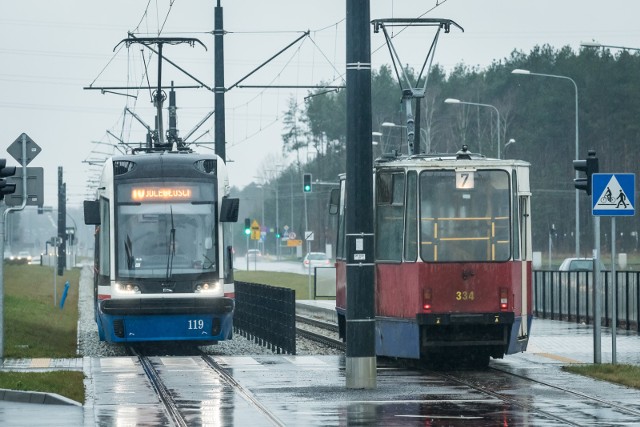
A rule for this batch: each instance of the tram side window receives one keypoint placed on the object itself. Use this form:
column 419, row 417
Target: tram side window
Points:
column 411, row 226
column 105, row 264
column 516, row 218
column 341, row 251
column 389, row 216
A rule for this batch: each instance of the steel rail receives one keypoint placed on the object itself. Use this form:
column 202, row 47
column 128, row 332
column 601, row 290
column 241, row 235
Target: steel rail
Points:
column 246, row 394
column 161, row 390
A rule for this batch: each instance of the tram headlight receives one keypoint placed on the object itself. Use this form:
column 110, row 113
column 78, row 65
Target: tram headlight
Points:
column 209, row 288
column 127, row 288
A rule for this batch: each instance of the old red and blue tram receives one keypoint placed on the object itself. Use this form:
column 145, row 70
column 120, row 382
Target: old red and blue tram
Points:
column 453, row 257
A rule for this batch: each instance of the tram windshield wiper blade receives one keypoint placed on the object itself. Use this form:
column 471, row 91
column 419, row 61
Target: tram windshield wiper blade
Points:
column 128, row 247
column 172, row 245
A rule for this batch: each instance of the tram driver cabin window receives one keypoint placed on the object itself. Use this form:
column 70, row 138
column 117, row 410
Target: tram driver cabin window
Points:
column 464, row 216
column 390, row 188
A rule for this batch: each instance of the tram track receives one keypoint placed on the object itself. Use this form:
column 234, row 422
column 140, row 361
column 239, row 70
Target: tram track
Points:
column 477, row 381
column 317, row 332
column 164, row 394
column 169, row 397
column 246, row 394
column 576, row 393
column 480, row 386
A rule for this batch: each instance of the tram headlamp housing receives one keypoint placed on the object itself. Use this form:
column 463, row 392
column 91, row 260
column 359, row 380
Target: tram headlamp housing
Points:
column 208, row 288
column 127, row 288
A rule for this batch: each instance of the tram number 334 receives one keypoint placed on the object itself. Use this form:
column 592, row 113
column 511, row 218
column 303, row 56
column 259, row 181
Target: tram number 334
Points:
column 465, row 296
column 196, row 324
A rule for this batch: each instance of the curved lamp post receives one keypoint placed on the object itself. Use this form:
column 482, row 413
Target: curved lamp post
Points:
column 457, row 101
column 529, row 73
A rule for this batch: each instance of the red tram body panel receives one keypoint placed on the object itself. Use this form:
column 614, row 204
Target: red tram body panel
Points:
column 453, row 257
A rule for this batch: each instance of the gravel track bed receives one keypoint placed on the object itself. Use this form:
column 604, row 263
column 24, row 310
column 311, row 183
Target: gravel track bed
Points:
column 90, row 346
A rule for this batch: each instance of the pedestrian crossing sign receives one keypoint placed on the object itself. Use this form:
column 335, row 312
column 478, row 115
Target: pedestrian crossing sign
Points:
column 613, row 194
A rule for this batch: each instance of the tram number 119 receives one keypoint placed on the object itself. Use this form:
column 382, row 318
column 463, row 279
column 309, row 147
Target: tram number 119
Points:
column 196, row 324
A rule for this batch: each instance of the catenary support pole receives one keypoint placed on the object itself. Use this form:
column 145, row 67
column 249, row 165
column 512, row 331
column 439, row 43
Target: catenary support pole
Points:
column 219, row 89
column 360, row 321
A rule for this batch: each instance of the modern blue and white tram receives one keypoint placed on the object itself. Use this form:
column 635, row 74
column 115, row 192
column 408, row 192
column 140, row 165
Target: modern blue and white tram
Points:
column 162, row 271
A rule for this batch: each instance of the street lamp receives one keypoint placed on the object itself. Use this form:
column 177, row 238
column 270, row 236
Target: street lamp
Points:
column 457, row 101
column 375, row 135
column 511, row 142
column 529, row 73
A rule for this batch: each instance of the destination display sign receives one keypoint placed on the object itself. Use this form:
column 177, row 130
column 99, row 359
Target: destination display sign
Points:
column 149, row 194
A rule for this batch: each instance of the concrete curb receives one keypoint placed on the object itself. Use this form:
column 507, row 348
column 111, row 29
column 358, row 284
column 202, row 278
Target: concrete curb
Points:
column 36, row 397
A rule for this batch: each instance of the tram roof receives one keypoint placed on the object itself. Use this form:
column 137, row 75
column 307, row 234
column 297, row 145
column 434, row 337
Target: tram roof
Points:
column 446, row 161
column 155, row 156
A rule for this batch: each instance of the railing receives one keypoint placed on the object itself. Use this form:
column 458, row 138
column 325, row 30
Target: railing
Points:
column 568, row 295
column 266, row 314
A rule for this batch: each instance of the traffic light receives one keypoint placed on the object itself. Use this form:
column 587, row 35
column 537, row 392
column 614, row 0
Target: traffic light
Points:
column 589, row 166
column 247, row 226
column 306, row 183
column 6, row 171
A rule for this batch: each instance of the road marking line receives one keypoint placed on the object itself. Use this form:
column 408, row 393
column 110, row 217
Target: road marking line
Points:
column 558, row 358
column 40, row 363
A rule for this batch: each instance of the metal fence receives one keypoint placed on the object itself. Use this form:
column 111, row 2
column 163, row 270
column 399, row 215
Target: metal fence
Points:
column 266, row 314
column 568, row 295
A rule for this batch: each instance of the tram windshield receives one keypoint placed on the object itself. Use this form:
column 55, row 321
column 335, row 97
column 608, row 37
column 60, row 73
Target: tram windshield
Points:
column 464, row 215
column 165, row 231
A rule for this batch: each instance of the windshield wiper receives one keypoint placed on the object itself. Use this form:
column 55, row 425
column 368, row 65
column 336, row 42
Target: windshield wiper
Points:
column 172, row 246
column 211, row 263
column 128, row 248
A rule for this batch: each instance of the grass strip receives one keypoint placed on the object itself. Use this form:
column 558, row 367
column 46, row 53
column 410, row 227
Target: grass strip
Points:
column 65, row 383
column 297, row 282
column 628, row 375
column 35, row 327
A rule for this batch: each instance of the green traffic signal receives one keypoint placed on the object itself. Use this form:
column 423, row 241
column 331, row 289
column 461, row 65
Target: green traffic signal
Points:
column 247, row 226
column 306, row 183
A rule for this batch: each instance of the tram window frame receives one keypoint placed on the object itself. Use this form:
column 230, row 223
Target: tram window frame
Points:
column 105, row 237
column 390, row 203
column 444, row 231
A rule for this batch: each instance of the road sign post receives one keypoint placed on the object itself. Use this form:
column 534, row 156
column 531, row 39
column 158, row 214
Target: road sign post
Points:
column 23, row 149
column 613, row 195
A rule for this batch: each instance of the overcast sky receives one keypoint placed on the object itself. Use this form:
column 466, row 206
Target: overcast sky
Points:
column 50, row 50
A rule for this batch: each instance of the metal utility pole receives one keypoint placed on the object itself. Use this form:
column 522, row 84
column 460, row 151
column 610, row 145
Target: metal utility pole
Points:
column 62, row 223
column 597, row 299
column 360, row 328
column 219, row 89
